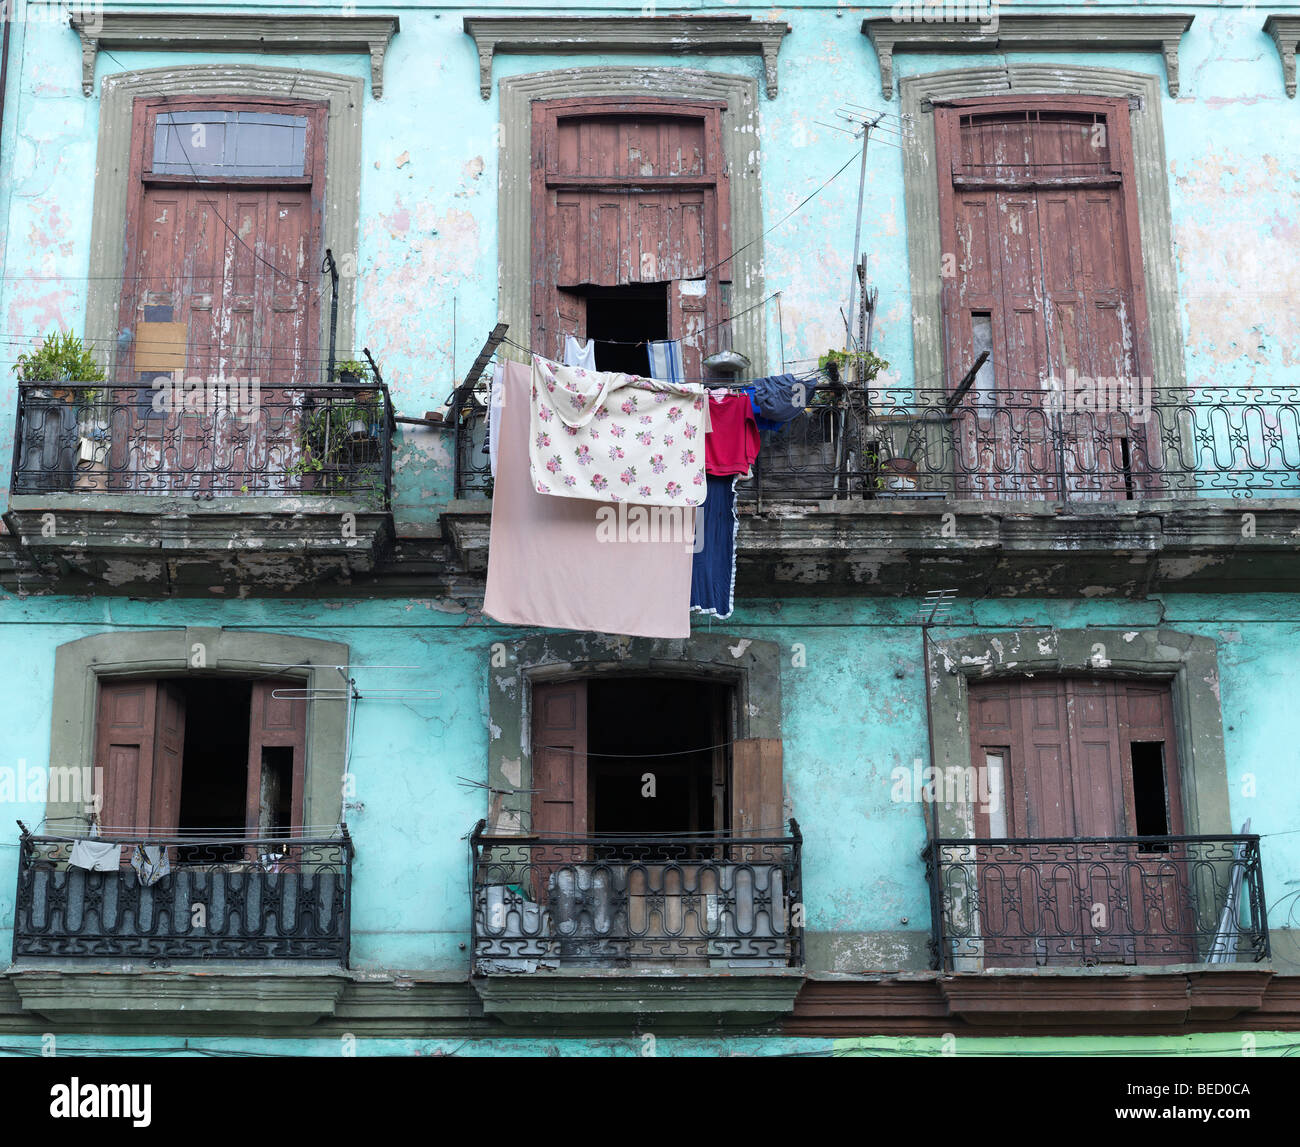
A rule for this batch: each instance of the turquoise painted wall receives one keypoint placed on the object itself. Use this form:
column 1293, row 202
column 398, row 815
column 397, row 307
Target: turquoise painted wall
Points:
column 852, row 715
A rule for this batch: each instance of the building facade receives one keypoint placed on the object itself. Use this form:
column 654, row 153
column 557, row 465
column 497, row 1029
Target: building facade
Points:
column 996, row 754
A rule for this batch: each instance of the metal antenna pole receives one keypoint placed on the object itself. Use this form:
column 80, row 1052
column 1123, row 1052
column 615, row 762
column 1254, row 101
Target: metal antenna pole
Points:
column 857, row 233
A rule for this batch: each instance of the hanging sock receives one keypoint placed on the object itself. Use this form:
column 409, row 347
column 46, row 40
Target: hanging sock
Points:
column 666, row 360
column 713, row 571
column 575, row 354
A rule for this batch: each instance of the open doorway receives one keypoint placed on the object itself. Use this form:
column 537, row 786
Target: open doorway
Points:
column 622, row 319
column 657, row 761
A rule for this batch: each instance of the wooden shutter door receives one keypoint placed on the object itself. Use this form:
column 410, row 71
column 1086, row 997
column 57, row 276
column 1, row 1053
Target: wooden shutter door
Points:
column 124, row 742
column 168, row 755
column 139, row 743
column 757, row 788
column 275, row 722
column 559, row 777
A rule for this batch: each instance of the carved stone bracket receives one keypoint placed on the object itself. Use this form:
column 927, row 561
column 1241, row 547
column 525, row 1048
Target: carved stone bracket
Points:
column 198, row 31
column 1026, row 33
column 1285, row 31
column 677, row 35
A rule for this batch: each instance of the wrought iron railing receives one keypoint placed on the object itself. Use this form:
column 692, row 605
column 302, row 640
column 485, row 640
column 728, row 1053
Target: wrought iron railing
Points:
column 226, row 898
column 218, row 441
column 1095, row 443
column 719, row 902
column 1093, row 900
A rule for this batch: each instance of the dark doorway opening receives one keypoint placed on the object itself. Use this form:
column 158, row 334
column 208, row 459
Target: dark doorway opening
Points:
column 660, row 736
column 1150, row 792
column 214, row 775
column 620, row 317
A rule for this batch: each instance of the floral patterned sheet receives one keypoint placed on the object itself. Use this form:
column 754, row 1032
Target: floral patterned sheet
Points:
column 611, row 437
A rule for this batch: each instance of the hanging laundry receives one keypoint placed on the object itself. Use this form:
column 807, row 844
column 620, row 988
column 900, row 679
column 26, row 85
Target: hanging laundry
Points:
column 731, row 445
column 713, row 572
column 782, row 397
column 613, row 437
column 575, row 354
column 666, row 360
column 493, row 417
column 150, row 863
column 96, row 855
column 560, row 562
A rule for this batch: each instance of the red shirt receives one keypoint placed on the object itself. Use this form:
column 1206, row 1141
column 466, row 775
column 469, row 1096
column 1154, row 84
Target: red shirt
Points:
column 731, row 446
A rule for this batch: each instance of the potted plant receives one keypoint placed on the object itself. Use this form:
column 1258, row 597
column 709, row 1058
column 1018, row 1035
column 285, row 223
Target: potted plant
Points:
column 352, row 376
column 62, row 357
column 339, row 443
column 851, row 366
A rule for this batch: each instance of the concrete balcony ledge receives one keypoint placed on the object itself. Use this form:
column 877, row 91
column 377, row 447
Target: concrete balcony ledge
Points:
column 285, row 996
column 618, row 996
column 153, row 543
column 901, row 546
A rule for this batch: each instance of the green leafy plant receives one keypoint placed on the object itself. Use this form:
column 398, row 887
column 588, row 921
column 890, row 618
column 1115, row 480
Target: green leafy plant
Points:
column 333, row 451
column 352, row 366
column 62, row 357
column 867, row 363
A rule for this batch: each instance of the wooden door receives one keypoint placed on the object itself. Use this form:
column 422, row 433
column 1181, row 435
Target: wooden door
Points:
column 139, row 744
column 228, row 264
column 559, row 785
column 1064, row 751
column 277, row 753
column 1038, row 209
column 627, row 192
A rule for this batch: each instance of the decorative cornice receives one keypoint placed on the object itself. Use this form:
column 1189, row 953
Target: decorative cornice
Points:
column 677, row 35
column 196, row 31
column 1285, row 31
column 1100, row 33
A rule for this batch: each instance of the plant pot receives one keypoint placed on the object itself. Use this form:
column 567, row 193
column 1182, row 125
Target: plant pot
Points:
column 899, row 474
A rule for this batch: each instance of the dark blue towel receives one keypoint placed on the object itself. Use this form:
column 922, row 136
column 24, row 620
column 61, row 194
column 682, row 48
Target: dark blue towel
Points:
column 713, row 571
column 774, row 396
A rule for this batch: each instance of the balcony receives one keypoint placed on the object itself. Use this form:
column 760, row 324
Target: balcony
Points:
column 668, row 902
column 202, row 488
column 1092, row 901
column 230, row 898
column 1024, row 445
column 893, row 490
column 675, row 929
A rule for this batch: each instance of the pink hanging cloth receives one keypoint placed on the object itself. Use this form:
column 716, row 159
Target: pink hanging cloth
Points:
column 571, row 563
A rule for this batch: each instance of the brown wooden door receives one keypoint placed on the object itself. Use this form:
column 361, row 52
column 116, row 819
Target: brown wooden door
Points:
column 559, row 776
column 277, row 753
column 1038, row 208
column 629, row 192
column 1064, row 752
column 234, row 261
column 139, row 742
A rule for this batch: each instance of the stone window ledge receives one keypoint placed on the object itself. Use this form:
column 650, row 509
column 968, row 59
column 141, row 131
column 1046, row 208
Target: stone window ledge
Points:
column 198, row 31
column 678, row 35
column 1029, row 33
